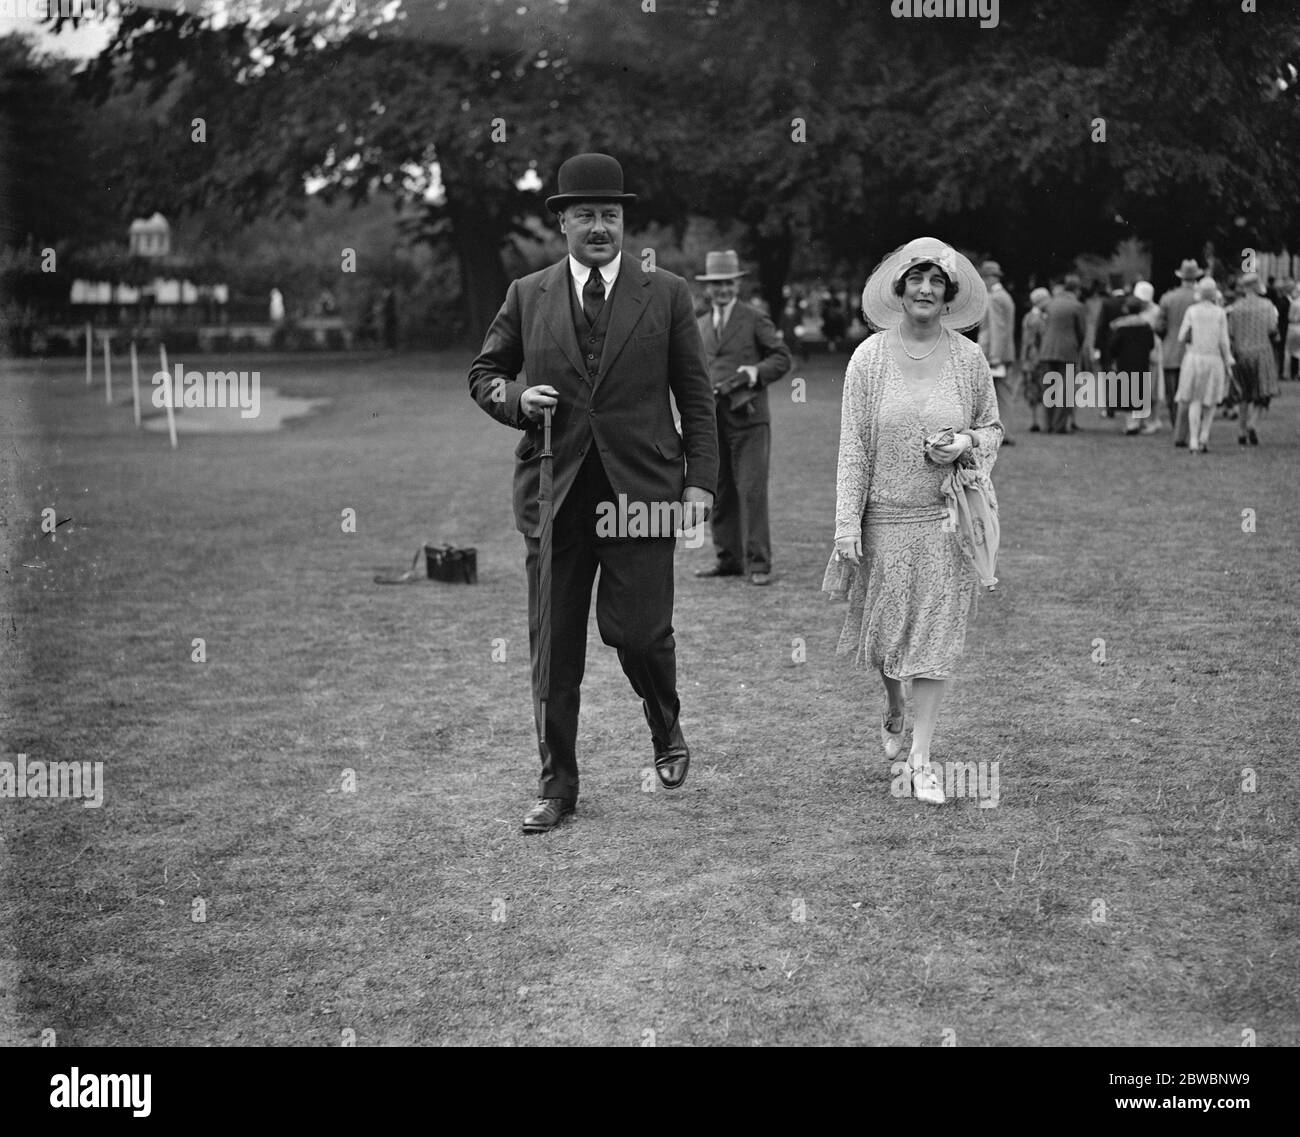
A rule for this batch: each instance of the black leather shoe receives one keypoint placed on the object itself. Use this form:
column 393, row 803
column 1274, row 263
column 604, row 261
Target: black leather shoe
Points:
column 547, row 814
column 671, row 764
column 719, row 570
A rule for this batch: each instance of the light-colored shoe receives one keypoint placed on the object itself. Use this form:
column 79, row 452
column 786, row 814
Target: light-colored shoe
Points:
column 927, row 787
column 891, row 740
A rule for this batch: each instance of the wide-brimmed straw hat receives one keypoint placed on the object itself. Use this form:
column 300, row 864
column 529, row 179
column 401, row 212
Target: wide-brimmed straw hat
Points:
column 884, row 309
column 721, row 266
column 589, row 177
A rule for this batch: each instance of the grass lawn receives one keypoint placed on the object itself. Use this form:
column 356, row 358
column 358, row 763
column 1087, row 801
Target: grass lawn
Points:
column 1125, row 889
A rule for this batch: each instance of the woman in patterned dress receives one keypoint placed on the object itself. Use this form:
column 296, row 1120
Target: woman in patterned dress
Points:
column 1252, row 326
column 910, row 590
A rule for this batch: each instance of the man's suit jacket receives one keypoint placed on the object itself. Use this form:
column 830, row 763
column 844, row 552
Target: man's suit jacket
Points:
column 751, row 339
column 998, row 329
column 1065, row 326
column 652, row 347
column 1173, row 307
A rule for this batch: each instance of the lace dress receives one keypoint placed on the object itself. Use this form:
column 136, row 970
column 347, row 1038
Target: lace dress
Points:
column 909, row 602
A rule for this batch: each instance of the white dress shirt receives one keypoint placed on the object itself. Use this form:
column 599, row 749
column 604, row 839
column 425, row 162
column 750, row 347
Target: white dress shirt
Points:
column 720, row 322
column 580, row 272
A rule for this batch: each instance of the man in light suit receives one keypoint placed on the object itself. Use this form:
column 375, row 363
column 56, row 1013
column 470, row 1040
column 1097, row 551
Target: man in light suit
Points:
column 998, row 340
column 605, row 344
column 745, row 354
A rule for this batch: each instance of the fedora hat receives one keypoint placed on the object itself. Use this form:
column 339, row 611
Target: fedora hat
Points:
column 721, row 266
column 1189, row 270
column 589, row 177
column 884, row 309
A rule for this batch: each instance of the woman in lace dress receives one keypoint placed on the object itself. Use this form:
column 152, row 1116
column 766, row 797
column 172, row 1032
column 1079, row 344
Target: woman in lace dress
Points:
column 910, row 591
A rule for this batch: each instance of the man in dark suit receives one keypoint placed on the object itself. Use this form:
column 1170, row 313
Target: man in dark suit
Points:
column 745, row 354
column 604, row 343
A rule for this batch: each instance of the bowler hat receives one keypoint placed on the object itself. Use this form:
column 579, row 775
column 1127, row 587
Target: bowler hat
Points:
column 1189, row 270
column 589, row 177
column 721, row 266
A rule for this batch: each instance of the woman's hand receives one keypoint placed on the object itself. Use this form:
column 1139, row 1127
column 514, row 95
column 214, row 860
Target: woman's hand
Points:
column 849, row 549
column 947, row 455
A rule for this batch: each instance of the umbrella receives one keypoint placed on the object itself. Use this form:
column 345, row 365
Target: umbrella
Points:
column 545, row 526
column 974, row 519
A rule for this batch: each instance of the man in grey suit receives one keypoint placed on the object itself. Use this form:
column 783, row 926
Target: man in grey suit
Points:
column 1173, row 307
column 998, row 341
column 744, row 354
column 1065, row 324
column 605, row 343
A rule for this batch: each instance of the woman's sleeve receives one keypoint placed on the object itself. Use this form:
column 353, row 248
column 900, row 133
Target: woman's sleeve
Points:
column 853, row 472
column 984, row 423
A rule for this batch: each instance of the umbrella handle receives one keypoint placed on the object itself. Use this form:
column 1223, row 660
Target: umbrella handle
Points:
column 546, row 432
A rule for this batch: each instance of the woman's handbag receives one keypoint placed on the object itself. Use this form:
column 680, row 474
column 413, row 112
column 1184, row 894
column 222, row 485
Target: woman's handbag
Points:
column 838, row 578
column 451, row 565
column 441, row 562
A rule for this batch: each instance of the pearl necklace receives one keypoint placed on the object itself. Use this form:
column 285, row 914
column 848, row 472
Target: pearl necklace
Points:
column 903, row 344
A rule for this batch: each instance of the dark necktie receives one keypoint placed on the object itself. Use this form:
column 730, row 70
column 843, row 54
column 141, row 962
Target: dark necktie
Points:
column 593, row 296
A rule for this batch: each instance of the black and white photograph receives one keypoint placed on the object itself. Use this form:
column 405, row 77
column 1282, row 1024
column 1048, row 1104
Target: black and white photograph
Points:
column 652, row 523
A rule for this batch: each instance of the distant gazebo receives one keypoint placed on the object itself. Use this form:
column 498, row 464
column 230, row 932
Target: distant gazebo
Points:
column 152, row 237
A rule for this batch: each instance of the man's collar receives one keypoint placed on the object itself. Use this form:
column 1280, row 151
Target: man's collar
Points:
column 726, row 308
column 608, row 273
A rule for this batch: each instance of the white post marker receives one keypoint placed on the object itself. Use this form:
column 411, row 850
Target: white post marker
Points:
column 90, row 366
column 167, row 395
column 135, row 383
column 108, row 369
